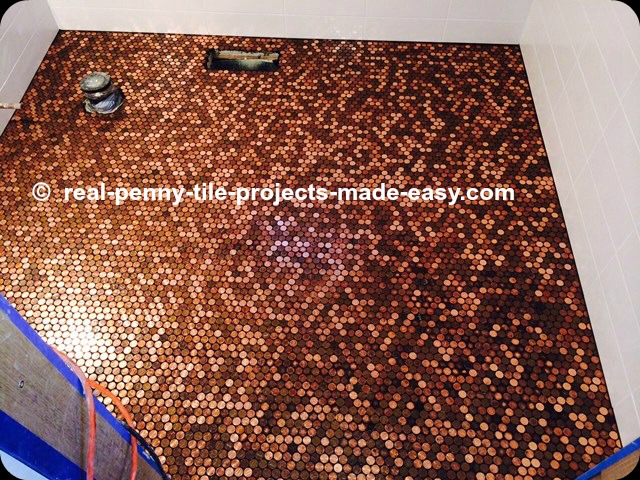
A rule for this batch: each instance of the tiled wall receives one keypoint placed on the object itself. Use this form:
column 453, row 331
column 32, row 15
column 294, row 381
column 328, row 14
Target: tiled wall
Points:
column 493, row 21
column 26, row 31
column 583, row 60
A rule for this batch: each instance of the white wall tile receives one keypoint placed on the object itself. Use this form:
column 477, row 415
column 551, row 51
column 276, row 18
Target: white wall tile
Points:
column 66, row 18
column 71, row 3
column 584, row 112
column 622, row 145
column 549, row 67
column 553, row 144
column 629, row 26
column 628, row 254
column 9, row 16
column 213, row 23
column 617, row 52
column 272, row 7
column 169, row 22
column 562, row 46
column 534, row 26
column 589, row 289
column 616, row 380
column 593, row 94
column 601, row 322
column 636, row 396
column 483, row 21
column 17, row 35
column 411, row 29
column 162, row 5
column 600, row 85
column 627, row 418
column 325, row 8
column 631, row 107
column 577, row 24
column 408, row 8
column 569, row 134
column 618, row 217
column 506, row 10
column 631, row 193
column 105, row 19
column 23, row 45
column 602, row 246
column 245, row 24
column 312, row 26
column 631, row 360
column 95, row 4
column 159, row 5
column 539, row 90
column 625, row 155
column 27, row 64
column 480, row 31
column 620, row 306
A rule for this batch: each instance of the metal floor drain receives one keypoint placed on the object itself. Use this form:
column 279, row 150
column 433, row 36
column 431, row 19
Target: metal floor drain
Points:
column 237, row 60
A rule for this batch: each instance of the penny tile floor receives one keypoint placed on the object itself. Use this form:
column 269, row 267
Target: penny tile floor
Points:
column 354, row 340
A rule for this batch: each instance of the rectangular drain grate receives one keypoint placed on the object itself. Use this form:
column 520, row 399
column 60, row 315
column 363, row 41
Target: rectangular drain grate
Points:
column 237, row 61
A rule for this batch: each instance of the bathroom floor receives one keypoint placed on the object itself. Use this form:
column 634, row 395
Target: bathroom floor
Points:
column 364, row 339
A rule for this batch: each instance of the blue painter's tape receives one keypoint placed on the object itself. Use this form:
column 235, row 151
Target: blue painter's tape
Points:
column 613, row 459
column 66, row 372
column 31, row 450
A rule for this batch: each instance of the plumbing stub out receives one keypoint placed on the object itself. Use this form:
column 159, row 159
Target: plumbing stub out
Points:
column 101, row 95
